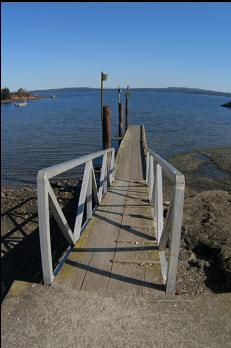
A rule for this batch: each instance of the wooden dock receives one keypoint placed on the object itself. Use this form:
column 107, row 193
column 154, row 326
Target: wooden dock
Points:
column 117, row 252
column 115, row 255
column 120, row 245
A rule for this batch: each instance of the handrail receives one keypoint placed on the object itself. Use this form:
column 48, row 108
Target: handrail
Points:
column 65, row 166
column 171, row 228
column 47, row 199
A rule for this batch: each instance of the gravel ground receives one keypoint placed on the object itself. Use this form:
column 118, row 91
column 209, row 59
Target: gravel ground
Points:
column 205, row 257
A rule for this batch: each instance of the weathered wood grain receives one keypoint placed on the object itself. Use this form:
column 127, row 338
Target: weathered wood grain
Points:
column 112, row 253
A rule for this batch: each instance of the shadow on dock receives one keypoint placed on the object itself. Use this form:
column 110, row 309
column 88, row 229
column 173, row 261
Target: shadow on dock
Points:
column 116, row 276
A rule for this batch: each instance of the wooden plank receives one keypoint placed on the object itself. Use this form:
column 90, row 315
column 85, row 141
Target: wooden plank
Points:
column 73, row 273
column 105, row 237
column 130, row 276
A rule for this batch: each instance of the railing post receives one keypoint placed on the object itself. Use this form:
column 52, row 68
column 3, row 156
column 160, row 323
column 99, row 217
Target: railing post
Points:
column 147, row 167
column 89, row 195
column 106, row 128
column 102, row 177
column 158, row 201
column 105, row 181
column 177, row 216
column 112, row 169
column 166, row 229
column 151, row 177
column 44, row 228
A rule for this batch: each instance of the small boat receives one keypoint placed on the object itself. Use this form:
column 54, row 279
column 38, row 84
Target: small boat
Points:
column 21, row 103
column 53, row 96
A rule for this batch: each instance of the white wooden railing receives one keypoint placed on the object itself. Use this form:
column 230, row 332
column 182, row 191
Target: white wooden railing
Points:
column 171, row 228
column 47, row 201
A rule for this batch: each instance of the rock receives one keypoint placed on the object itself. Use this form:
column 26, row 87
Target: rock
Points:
column 200, row 264
column 189, row 243
column 182, row 243
column 3, row 195
column 192, row 257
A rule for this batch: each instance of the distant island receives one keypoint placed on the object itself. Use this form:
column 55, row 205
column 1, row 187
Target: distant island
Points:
column 9, row 97
column 162, row 90
column 227, row 105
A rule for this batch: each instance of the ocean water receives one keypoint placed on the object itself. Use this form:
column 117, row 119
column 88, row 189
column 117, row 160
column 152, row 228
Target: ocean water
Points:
column 49, row 131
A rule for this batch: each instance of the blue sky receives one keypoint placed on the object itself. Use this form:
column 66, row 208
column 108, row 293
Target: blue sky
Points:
column 52, row 45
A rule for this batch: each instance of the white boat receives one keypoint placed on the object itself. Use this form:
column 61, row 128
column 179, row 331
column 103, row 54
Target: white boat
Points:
column 53, row 96
column 21, row 103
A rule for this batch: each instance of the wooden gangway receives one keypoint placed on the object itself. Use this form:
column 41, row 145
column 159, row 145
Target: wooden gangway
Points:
column 118, row 248
column 119, row 257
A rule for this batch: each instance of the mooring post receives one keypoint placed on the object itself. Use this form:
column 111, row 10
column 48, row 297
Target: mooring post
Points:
column 126, row 107
column 106, row 128
column 126, row 113
column 121, row 120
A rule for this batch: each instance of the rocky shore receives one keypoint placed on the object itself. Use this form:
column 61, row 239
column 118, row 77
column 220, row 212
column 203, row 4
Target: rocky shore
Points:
column 15, row 99
column 205, row 257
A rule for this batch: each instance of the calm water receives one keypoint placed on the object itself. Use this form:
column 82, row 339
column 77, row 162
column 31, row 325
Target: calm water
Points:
column 49, row 131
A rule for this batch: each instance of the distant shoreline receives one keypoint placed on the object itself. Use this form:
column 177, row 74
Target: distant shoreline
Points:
column 13, row 100
column 184, row 90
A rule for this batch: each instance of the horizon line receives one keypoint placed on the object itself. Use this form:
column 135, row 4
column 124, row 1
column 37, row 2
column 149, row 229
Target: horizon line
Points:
column 115, row 88
column 130, row 88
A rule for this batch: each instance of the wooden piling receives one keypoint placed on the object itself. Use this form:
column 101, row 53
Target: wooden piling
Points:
column 106, row 128
column 121, row 120
column 126, row 112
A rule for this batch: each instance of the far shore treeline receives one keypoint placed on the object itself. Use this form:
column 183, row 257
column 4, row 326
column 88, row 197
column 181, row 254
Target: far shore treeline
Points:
column 21, row 93
column 7, row 96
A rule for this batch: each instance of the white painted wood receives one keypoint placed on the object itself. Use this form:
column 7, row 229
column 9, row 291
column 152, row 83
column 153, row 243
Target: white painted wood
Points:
column 82, row 198
column 59, row 216
column 151, row 177
column 105, row 181
column 172, row 172
column 94, row 187
column 102, row 177
column 44, row 228
column 63, row 167
column 178, row 203
column 112, row 162
column 166, row 229
column 45, row 192
column 147, row 168
column 89, row 195
column 164, row 265
column 158, row 198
